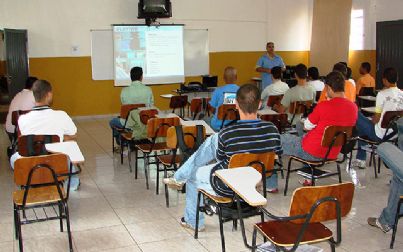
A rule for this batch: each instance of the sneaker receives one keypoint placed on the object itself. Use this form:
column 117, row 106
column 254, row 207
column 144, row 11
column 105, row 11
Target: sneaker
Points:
column 359, row 163
column 272, row 190
column 172, row 183
column 375, row 223
column 305, row 182
column 188, row 226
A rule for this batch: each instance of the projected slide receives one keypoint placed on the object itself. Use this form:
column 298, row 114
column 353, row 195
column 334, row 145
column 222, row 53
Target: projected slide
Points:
column 158, row 50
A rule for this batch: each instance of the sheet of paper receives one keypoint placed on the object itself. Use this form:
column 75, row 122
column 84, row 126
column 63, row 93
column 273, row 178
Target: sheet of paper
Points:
column 69, row 148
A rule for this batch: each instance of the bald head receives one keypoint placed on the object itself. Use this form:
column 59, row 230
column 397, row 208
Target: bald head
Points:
column 230, row 75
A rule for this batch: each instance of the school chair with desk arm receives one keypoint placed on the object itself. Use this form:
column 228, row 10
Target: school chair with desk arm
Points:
column 227, row 112
column 183, row 141
column 226, row 208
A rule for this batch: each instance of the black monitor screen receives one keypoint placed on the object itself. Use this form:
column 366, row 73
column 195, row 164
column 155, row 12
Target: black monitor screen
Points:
column 154, row 8
column 210, row 81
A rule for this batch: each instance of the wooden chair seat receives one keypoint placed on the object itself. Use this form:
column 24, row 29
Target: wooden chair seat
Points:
column 39, row 195
column 146, row 148
column 167, row 159
column 127, row 135
column 284, row 233
column 215, row 198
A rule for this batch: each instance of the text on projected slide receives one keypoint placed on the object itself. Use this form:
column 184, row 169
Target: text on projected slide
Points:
column 158, row 50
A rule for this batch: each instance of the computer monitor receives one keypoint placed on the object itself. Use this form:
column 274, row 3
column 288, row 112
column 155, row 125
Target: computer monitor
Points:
column 210, row 81
column 229, row 98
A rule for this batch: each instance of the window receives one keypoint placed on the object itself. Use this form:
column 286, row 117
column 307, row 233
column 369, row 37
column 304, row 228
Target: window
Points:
column 357, row 30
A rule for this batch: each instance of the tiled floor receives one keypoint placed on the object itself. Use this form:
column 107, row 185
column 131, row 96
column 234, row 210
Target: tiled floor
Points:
column 114, row 212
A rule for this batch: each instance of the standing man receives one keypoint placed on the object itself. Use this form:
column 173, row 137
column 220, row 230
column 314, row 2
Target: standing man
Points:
column 267, row 62
column 136, row 93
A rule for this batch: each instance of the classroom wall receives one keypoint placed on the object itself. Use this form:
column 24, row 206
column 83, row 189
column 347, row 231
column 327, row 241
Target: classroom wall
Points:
column 238, row 31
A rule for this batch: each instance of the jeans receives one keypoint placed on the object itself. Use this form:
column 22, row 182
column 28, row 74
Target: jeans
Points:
column 115, row 123
column 365, row 128
column 74, row 180
column 292, row 146
column 392, row 157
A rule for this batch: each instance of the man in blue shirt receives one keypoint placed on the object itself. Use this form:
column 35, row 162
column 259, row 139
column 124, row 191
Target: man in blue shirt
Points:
column 267, row 62
column 217, row 98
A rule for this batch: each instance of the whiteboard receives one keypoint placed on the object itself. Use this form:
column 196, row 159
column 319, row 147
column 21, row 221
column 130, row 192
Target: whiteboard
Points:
column 102, row 54
column 196, row 52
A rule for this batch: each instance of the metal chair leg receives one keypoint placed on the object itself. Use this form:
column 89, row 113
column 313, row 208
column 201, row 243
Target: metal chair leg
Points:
column 221, row 228
column 135, row 162
column 15, row 222
column 287, row 177
column 157, row 184
column 379, row 164
column 146, row 169
column 339, row 172
column 60, row 215
column 129, row 156
column 20, row 244
column 68, row 226
column 392, row 241
column 254, row 240
column 332, row 245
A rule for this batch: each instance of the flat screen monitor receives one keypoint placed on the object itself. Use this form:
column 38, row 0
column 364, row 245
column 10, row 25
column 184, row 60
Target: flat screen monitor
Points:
column 210, row 81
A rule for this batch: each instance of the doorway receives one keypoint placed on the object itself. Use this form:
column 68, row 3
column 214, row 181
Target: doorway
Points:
column 389, row 49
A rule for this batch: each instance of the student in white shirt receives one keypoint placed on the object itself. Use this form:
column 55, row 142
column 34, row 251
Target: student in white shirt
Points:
column 313, row 79
column 276, row 88
column 24, row 100
column 43, row 120
column 349, row 78
column 388, row 99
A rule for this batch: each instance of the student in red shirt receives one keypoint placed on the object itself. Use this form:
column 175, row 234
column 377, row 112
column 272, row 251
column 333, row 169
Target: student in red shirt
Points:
column 336, row 111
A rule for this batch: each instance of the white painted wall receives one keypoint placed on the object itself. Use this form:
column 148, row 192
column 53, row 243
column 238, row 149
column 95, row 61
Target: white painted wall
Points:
column 377, row 11
column 54, row 26
column 289, row 24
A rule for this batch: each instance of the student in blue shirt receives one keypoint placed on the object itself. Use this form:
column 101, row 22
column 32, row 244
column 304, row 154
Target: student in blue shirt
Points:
column 217, row 98
column 267, row 62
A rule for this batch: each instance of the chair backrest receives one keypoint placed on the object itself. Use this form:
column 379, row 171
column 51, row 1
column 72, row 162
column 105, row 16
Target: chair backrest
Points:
column 178, row 101
column 336, row 134
column 279, row 120
column 158, row 127
column 367, row 91
column 16, row 114
column 227, row 112
column 23, row 166
column 147, row 114
column 389, row 117
column 274, row 99
column 305, row 197
column 189, row 136
column 34, row 145
column 253, row 159
column 299, row 107
column 126, row 108
column 199, row 104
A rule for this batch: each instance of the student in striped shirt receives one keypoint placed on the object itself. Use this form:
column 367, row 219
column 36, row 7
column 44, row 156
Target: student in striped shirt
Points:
column 249, row 134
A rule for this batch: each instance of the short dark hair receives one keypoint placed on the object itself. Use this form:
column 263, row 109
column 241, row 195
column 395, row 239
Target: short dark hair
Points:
column 301, row 71
column 349, row 73
column 366, row 66
column 342, row 68
column 313, row 72
column 136, row 73
column 30, row 81
column 41, row 88
column 335, row 80
column 390, row 74
column 248, row 98
column 343, row 62
column 276, row 72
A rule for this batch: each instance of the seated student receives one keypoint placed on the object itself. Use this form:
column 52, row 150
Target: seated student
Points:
column 247, row 135
column 136, row 93
column 217, row 98
column 393, row 158
column 276, row 88
column 349, row 76
column 337, row 111
column 349, row 88
column 388, row 99
column 24, row 100
column 313, row 79
column 301, row 92
column 43, row 120
column 366, row 80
